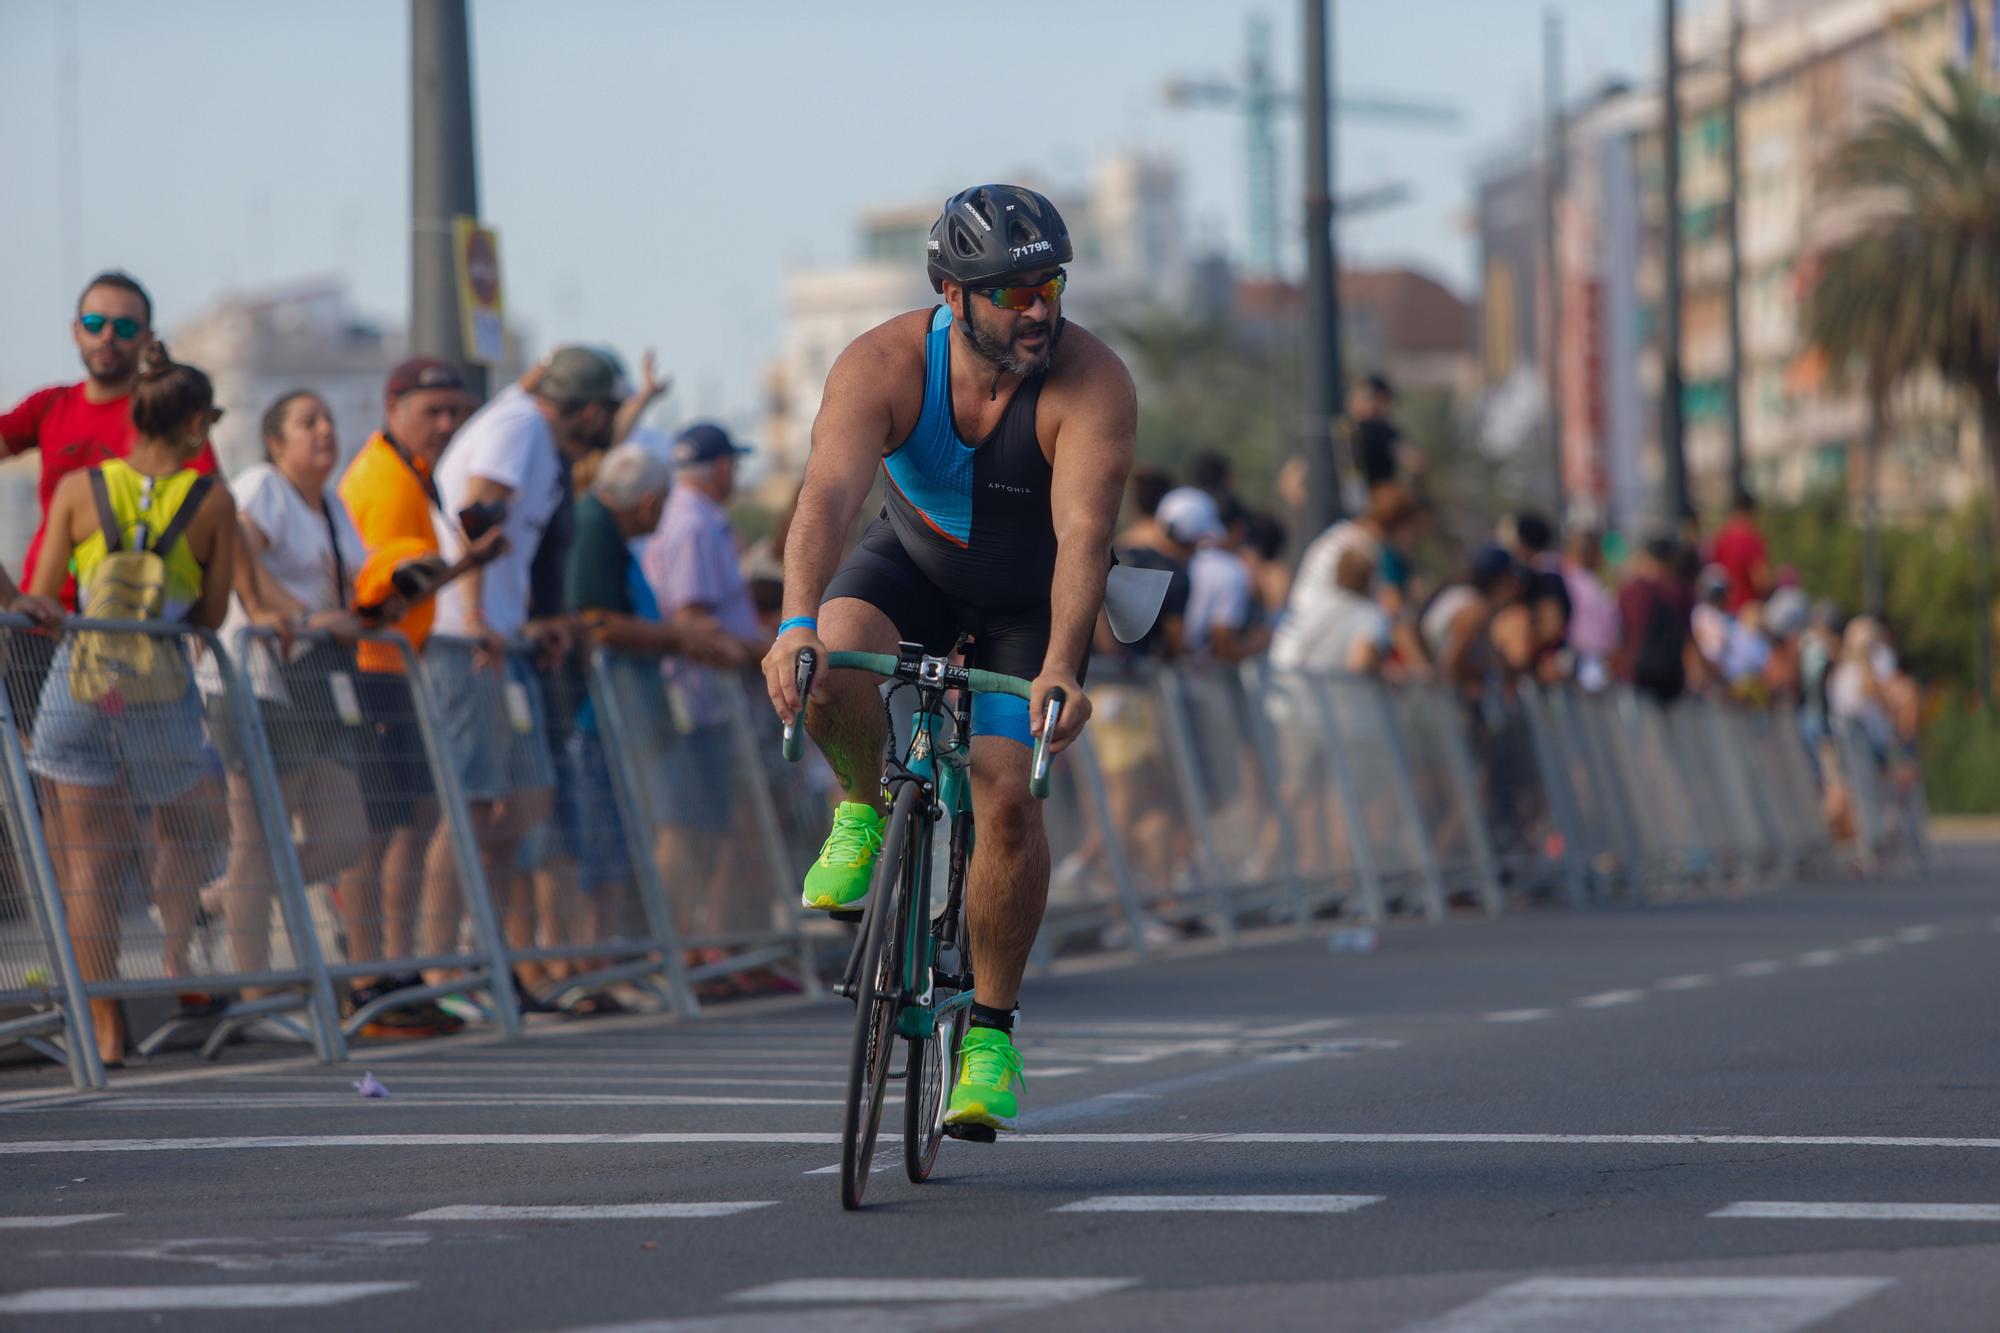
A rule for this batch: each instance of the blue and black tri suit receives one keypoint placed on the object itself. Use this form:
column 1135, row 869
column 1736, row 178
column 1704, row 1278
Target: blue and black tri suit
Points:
column 965, row 542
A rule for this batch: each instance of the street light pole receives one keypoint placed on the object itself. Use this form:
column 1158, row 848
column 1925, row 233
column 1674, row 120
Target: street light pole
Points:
column 1554, row 168
column 1672, row 455
column 444, row 177
column 1737, row 465
column 1322, row 368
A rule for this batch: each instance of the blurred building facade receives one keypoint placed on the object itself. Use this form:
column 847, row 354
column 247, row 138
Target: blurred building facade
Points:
column 1812, row 71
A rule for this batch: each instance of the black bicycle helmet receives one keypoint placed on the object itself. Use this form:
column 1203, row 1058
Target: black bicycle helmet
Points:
column 990, row 231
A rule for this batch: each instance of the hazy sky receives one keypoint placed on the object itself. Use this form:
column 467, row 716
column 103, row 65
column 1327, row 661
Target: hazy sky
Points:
column 654, row 168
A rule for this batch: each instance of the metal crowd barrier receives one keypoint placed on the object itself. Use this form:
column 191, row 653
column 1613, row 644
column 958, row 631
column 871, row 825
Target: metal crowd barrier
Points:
column 531, row 833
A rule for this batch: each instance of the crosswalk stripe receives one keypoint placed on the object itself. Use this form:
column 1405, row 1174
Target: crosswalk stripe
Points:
column 53, row 1220
column 1820, row 958
column 1606, row 999
column 43, row 1147
column 1872, row 1212
column 234, row 1296
column 1712, row 1304
column 1221, row 1203
column 1763, row 967
column 1693, row 981
column 600, row 1212
column 1516, row 1015
column 811, row 1290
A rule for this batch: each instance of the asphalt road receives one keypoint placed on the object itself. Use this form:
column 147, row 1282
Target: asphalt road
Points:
column 1617, row 1119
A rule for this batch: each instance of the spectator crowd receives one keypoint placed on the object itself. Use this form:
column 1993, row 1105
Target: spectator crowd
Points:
column 500, row 540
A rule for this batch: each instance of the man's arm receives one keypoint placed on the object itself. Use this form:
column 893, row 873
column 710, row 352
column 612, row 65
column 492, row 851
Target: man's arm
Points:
column 1093, row 459
column 481, row 490
column 849, row 435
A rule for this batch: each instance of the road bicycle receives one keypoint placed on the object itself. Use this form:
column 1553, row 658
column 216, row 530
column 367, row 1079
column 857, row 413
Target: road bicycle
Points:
column 910, row 973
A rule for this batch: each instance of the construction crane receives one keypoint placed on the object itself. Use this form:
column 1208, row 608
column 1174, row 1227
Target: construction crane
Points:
column 1258, row 98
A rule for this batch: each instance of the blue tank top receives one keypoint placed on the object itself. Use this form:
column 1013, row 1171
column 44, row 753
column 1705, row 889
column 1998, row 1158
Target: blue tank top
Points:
column 973, row 517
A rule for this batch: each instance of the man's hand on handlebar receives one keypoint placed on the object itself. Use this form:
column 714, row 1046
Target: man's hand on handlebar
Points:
column 781, row 670
column 1075, row 709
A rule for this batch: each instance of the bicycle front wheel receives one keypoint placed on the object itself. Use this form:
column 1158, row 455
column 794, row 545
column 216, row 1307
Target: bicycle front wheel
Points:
column 877, row 998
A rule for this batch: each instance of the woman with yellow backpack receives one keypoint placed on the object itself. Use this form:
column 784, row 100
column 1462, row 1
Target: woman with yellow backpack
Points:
column 120, row 722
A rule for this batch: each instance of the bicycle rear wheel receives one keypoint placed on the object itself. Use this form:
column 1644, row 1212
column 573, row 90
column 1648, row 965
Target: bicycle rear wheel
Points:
column 877, row 998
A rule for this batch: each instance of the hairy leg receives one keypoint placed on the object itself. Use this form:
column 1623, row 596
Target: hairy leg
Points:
column 1008, row 885
column 847, row 722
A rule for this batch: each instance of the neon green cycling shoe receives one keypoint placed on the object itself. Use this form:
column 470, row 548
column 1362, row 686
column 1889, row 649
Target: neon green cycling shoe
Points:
column 838, row 880
column 989, row 1069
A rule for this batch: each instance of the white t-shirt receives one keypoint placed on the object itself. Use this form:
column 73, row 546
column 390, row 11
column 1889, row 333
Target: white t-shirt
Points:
column 1314, row 591
column 1322, row 638
column 298, row 554
column 508, row 442
column 1219, row 594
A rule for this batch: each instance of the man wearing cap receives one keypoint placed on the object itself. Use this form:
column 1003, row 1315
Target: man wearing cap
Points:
column 693, row 568
column 507, row 469
column 390, row 493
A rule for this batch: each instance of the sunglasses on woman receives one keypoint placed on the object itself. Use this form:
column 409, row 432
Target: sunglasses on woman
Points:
column 124, row 328
column 1024, row 298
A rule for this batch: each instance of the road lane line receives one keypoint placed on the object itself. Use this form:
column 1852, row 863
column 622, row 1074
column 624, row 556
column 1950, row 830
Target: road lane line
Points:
column 334, row 1100
column 234, row 1296
column 821, row 1290
column 61, row 1147
column 1917, row 934
column 1299, row 1029
column 1870, row 1212
column 1221, row 1203
column 599, row 1212
column 1607, row 999
column 1763, row 967
column 1872, row 944
column 1515, row 1015
column 1712, row 1304
column 1820, row 958
column 1693, row 981
column 56, row 1220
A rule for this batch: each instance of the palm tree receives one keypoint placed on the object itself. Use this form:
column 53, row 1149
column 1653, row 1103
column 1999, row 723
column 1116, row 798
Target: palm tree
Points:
column 1917, row 286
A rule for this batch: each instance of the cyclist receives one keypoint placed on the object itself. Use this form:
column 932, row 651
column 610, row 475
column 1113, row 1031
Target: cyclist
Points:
column 1006, row 435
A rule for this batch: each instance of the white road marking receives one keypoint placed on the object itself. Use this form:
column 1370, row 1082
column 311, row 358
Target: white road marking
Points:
column 1763, row 967
column 1917, row 934
column 812, row 1290
column 1222, row 1203
column 600, row 1212
column 1870, row 1212
column 1606, row 999
column 1820, row 958
column 1657, row 1304
column 254, row 1101
column 45, row 1147
column 1516, row 1015
column 56, row 1220
column 233, row 1296
column 1300, row 1029
column 1872, row 944
column 1693, row 981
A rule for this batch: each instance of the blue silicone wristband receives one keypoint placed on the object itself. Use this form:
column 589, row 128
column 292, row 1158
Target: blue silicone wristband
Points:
column 786, row 626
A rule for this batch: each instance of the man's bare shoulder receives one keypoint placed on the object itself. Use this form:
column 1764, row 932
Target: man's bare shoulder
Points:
column 890, row 346
column 1086, row 362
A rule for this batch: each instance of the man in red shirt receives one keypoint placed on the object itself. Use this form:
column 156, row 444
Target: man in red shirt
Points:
column 1739, row 549
column 80, row 425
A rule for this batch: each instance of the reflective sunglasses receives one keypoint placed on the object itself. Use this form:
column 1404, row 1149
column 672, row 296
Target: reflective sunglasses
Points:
column 1023, row 298
column 124, row 329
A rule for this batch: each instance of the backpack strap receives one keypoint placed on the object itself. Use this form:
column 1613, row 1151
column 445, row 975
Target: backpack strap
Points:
column 107, row 517
column 183, row 516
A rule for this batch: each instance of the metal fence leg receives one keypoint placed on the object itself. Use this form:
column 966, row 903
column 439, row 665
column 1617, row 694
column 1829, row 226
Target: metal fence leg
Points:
column 1264, row 740
column 636, row 817
column 274, row 822
column 1360, row 847
column 457, row 817
column 1180, row 750
column 1406, row 793
column 1458, row 770
column 765, row 809
column 1556, row 780
column 1084, row 756
column 31, row 852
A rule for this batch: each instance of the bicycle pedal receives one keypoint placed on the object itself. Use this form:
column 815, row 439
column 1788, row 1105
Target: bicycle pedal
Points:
column 850, row 918
column 972, row 1133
